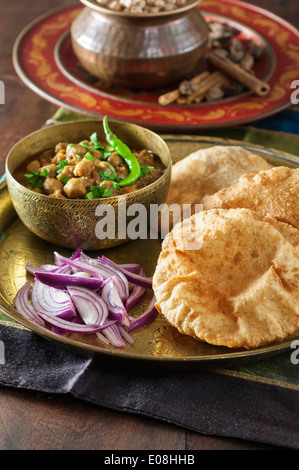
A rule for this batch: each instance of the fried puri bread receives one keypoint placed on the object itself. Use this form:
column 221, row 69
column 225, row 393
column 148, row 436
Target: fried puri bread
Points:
column 238, row 285
column 205, row 172
column 274, row 192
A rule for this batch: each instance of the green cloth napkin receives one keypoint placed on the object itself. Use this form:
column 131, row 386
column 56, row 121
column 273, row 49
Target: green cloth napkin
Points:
column 278, row 140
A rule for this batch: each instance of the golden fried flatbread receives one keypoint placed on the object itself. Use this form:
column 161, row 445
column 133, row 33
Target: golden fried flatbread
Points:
column 205, row 172
column 273, row 192
column 239, row 288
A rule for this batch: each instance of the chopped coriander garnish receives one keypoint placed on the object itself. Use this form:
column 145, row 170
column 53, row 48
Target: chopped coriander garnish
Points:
column 115, row 185
column 96, row 143
column 107, row 193
column 110, row 166
column 89, row 156
column 107, row 152
column 145, row 169
column 84, row 144
column 97, row 192
column 64, row 179
column 60, row 166
column 45, row 172
column 106, row 175
column 34, row 179
column 90, row 195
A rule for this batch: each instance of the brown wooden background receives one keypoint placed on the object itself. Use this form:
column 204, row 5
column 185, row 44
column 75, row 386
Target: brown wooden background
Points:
column 33, row 421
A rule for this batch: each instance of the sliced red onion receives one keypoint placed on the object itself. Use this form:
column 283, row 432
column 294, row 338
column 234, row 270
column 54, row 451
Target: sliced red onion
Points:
column 145, row 318
column 90, row 305
column 126, row 335
column 131, row 276
column 108, row 270
column 64, row 270
column 51, row 300
column 137, row 293
column 73, row 327
column 112, row 298
column 129, row 267
column 61, row 331
column 62, row 281
column 30, row 268
column 77, row 254
column 102, row 337
column 48, row 268
column 114, row 336
column 78, row 265
column 86, row 295
column 24, row 307
column 102, row 270
column 81, row 274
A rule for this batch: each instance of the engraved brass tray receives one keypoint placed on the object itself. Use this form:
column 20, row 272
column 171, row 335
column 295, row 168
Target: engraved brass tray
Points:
column 158, row 344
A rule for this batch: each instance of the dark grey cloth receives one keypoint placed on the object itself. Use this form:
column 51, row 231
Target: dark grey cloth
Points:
column 204, row 401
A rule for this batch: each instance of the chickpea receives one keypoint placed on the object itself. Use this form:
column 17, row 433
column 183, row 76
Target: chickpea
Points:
column 58, row 194
column 51, row 168
column 115, row 160
column 46, row 157
column 61, row 146
column 60, row 155
column 67, row 171
column 33, row 166
column 74, row 188
column 76, row 149
column 51, row 185
column 84, row 168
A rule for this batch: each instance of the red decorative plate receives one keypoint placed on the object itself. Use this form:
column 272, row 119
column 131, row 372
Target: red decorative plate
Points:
column 44, row 60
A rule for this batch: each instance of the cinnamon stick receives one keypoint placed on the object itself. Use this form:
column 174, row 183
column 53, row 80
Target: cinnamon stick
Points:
column 174, row 95
column 216, row 79
column 169, row 97
column 227, row 66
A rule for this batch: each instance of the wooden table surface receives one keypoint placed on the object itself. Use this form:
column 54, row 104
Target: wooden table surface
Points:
column 31, row 421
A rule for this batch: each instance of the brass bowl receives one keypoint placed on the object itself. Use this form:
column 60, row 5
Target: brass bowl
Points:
column 73, row 223
column 139, row 51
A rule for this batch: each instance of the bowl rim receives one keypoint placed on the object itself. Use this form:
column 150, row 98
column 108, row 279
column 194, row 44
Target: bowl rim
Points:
column 101, row 9
column 107, row 200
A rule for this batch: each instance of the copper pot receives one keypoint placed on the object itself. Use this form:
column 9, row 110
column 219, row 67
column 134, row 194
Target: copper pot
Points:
column 139, row 51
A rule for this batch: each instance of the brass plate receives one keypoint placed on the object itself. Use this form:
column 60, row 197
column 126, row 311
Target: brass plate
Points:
column 158, row 344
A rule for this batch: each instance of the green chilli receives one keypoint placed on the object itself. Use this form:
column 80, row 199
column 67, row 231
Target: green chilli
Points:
column 125, row 153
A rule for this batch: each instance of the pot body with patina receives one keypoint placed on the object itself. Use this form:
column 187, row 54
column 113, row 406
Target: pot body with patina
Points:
column 139, row 51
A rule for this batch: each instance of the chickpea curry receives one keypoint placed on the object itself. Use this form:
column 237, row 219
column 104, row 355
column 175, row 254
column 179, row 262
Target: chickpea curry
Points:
column 90, row 169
